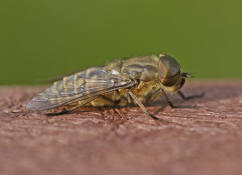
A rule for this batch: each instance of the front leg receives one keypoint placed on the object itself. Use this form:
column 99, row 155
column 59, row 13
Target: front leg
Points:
column 190, row 97
column 170, row 103
column 152, row 97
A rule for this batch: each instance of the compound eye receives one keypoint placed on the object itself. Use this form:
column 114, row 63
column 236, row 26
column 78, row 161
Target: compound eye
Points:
column 169, row 67
column 170, row 81
column 169, row 70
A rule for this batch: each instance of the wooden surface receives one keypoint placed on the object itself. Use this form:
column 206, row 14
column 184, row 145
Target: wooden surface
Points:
column 203, row 140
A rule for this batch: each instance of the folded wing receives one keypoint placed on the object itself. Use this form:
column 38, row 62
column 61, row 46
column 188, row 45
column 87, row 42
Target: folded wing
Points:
column 79, row 87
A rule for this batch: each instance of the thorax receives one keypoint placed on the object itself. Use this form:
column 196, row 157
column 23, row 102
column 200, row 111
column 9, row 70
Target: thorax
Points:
column 138, row 68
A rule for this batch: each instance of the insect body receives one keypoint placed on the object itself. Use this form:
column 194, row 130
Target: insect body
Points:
column 138, row 80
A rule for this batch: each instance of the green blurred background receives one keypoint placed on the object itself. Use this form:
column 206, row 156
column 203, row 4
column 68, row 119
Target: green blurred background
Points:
column 40, row 39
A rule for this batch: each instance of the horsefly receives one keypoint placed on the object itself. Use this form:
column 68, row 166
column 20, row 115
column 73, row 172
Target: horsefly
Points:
column 136, row 81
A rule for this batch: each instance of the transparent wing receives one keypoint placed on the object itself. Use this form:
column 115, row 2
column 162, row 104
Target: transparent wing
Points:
column 78, row 87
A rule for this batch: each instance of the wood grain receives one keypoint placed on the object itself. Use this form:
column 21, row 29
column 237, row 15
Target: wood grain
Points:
column 203, row 140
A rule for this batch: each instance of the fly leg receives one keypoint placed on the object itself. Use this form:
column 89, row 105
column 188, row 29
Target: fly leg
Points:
column 140, row 104
column 153, row 97
column 171, row 104
column 190, row 97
